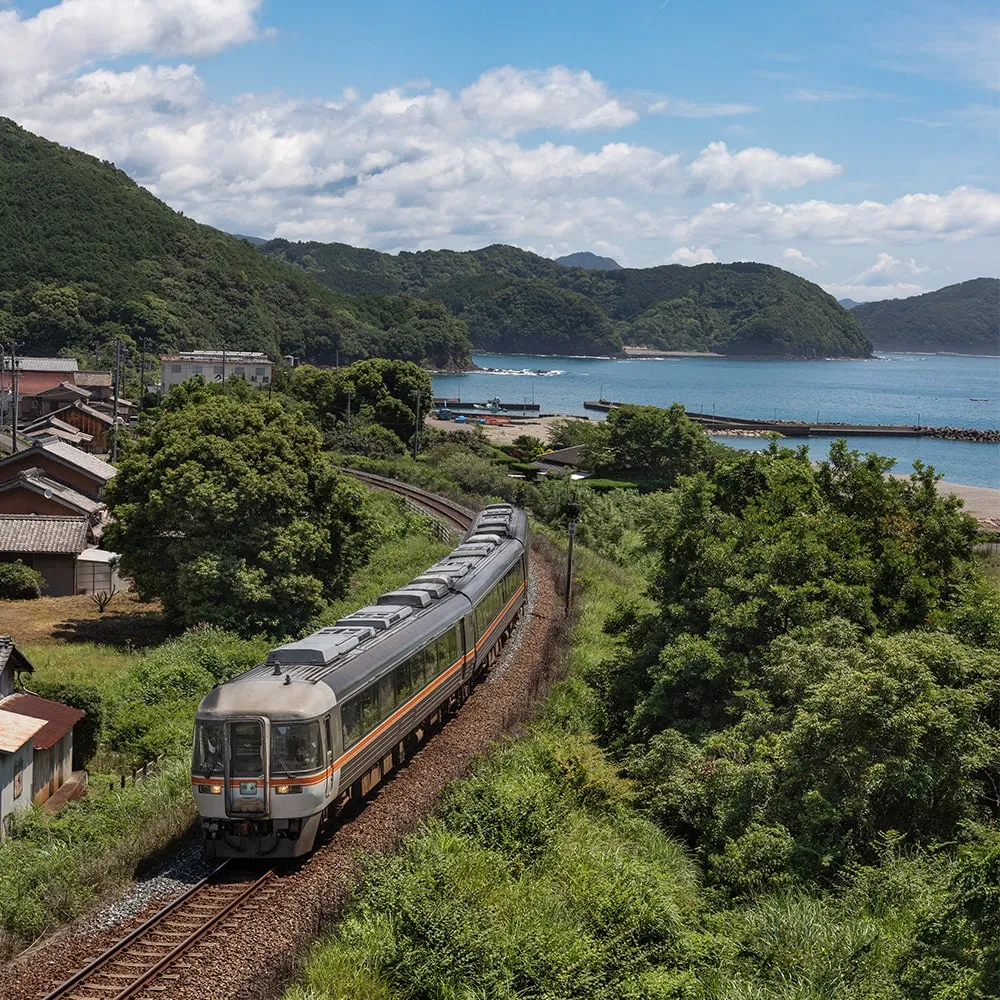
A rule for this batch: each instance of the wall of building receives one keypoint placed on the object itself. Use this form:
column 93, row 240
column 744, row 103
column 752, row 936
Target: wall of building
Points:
column 23, row 501
column 51, row 769
column 174, row 372
column 92, row 577
column 57, row 569
column 8, row 768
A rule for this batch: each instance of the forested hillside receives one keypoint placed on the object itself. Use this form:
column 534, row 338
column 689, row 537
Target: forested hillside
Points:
column 964, row 318
column 515, row 300
column 86, row 254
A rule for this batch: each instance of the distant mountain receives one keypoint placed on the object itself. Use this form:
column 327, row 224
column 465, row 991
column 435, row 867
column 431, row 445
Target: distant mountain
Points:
column 514, row 301
column 589, row 262
column 257, row 241
column 87, row 255
column 963, row 318
column 848, row 303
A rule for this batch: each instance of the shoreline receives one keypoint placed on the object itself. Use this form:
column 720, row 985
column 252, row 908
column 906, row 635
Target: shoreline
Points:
column 648, row 353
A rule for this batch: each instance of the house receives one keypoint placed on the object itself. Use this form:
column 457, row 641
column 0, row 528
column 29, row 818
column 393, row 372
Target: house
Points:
column 50, row 400
column 70, row 466
column 562, row 462
column 36, row 742
column 45, row 385
column 82, row 418
column 34, row 375
column 52, row 426
column 214, row 366
column 32, row 491
column 62, row 549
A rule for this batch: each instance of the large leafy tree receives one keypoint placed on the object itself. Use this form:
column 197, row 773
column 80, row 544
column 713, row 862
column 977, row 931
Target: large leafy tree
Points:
column 227, row 511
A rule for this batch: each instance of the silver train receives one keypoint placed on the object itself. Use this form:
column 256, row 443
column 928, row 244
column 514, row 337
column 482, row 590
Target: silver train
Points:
column 281, row 748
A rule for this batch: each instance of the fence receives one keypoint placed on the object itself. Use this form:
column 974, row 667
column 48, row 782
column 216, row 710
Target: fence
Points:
column 137, row 774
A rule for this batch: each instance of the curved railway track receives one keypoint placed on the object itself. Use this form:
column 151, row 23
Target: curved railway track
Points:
column 145, row 958
column 438, row 506
column 154, row 954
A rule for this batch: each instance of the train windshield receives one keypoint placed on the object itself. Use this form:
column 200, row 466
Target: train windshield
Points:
column 294, row 747
column 208, row 759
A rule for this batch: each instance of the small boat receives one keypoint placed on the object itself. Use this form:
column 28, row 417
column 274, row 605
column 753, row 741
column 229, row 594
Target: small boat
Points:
column 979, row 399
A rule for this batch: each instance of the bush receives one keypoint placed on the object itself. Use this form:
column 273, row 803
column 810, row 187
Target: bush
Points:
column 19, row 582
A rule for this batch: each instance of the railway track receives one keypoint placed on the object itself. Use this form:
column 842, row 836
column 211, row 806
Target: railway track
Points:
column 154, row 955
column 145, row 960
column 461, row 517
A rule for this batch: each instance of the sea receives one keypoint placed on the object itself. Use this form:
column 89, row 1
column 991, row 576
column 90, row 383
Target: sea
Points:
column 928, row 389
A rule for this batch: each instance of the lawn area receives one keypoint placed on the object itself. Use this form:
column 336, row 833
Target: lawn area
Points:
column 127, row 624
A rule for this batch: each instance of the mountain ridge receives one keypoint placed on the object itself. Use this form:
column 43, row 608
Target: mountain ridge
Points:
column 589, row 261
column 963, row 318
column 516, row 301
column 87, row 256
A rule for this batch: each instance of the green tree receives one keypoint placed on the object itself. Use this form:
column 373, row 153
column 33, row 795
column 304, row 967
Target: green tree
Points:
column 646, row 442
column 227, row 511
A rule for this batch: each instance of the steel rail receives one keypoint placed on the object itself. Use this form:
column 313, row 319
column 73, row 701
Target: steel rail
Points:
column 156, row 966
column 461, row 517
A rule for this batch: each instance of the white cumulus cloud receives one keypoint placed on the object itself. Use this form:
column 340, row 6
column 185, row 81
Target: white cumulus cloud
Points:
column 798, row 257
column 689, row 255
column 753, row 168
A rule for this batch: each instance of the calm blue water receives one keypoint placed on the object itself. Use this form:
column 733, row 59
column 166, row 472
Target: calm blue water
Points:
column 892, row 389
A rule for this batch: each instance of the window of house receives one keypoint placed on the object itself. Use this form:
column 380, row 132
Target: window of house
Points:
column 176, row 369
column 18, row 779
column 259, row 372
column 218, row 370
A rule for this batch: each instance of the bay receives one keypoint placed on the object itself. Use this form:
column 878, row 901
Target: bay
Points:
column 934, row 390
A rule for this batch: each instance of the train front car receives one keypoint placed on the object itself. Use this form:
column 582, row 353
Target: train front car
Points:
column 280, row 748
column 260, row 769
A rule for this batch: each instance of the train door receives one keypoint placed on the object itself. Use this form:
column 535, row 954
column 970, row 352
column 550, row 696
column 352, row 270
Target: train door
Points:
column 246, row 768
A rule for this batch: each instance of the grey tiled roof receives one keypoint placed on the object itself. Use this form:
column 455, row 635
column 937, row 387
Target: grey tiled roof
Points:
column 34, row 533
column 95, row 466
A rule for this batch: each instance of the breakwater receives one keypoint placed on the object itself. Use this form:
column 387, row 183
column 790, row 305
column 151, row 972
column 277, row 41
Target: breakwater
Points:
column 719, row 424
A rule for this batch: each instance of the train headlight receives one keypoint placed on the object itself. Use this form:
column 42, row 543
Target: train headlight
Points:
column 287, row 789
column 210, row 789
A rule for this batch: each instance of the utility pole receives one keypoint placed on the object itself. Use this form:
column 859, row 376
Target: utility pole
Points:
column 142, row 371
column 350, row 396
column 114, row 401
column 14, row 396
column 416, row 429
column 572, row 512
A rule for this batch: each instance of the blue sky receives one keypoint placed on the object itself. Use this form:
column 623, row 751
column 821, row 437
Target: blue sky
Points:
column 854, row 143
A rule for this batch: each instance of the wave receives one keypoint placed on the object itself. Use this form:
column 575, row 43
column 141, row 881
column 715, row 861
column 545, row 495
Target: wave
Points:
column 541, row 373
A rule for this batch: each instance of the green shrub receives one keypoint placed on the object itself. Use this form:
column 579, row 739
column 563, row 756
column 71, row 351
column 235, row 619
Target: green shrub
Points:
column 19, row 582
column 606, row 485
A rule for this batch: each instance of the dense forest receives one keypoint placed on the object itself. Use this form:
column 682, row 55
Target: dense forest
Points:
column 515, row 300
column 86, row 255
column 963, row 318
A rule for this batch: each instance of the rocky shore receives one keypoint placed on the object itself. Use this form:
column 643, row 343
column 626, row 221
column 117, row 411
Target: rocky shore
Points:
column 988, row 436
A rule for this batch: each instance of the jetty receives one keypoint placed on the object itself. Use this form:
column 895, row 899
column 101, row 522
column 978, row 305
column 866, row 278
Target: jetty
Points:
column 490, row 406
column 738, row 426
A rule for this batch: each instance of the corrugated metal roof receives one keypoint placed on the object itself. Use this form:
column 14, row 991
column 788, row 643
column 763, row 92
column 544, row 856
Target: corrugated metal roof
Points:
column 16, row 730
column 47, row 364
column 36, row 533
column 93, row 378
column 64, row 387
column 58, row 719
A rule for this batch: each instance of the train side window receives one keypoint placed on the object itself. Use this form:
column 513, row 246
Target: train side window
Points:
column 387, row 696
column 430, row 664
column 441, row 648
column 350, row 718
column 369, row 708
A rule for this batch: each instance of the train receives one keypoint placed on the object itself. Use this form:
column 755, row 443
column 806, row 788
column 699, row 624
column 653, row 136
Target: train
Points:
column 282, row 748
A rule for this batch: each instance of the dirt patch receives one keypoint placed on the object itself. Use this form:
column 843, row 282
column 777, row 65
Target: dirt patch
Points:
column 127, row 623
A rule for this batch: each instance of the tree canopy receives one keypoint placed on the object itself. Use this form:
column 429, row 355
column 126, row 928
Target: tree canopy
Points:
column 228, row 512
column 809, row 683
column 514, row 300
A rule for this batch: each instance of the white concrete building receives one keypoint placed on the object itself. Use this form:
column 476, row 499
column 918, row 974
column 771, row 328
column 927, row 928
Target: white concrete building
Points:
column 215, row 366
